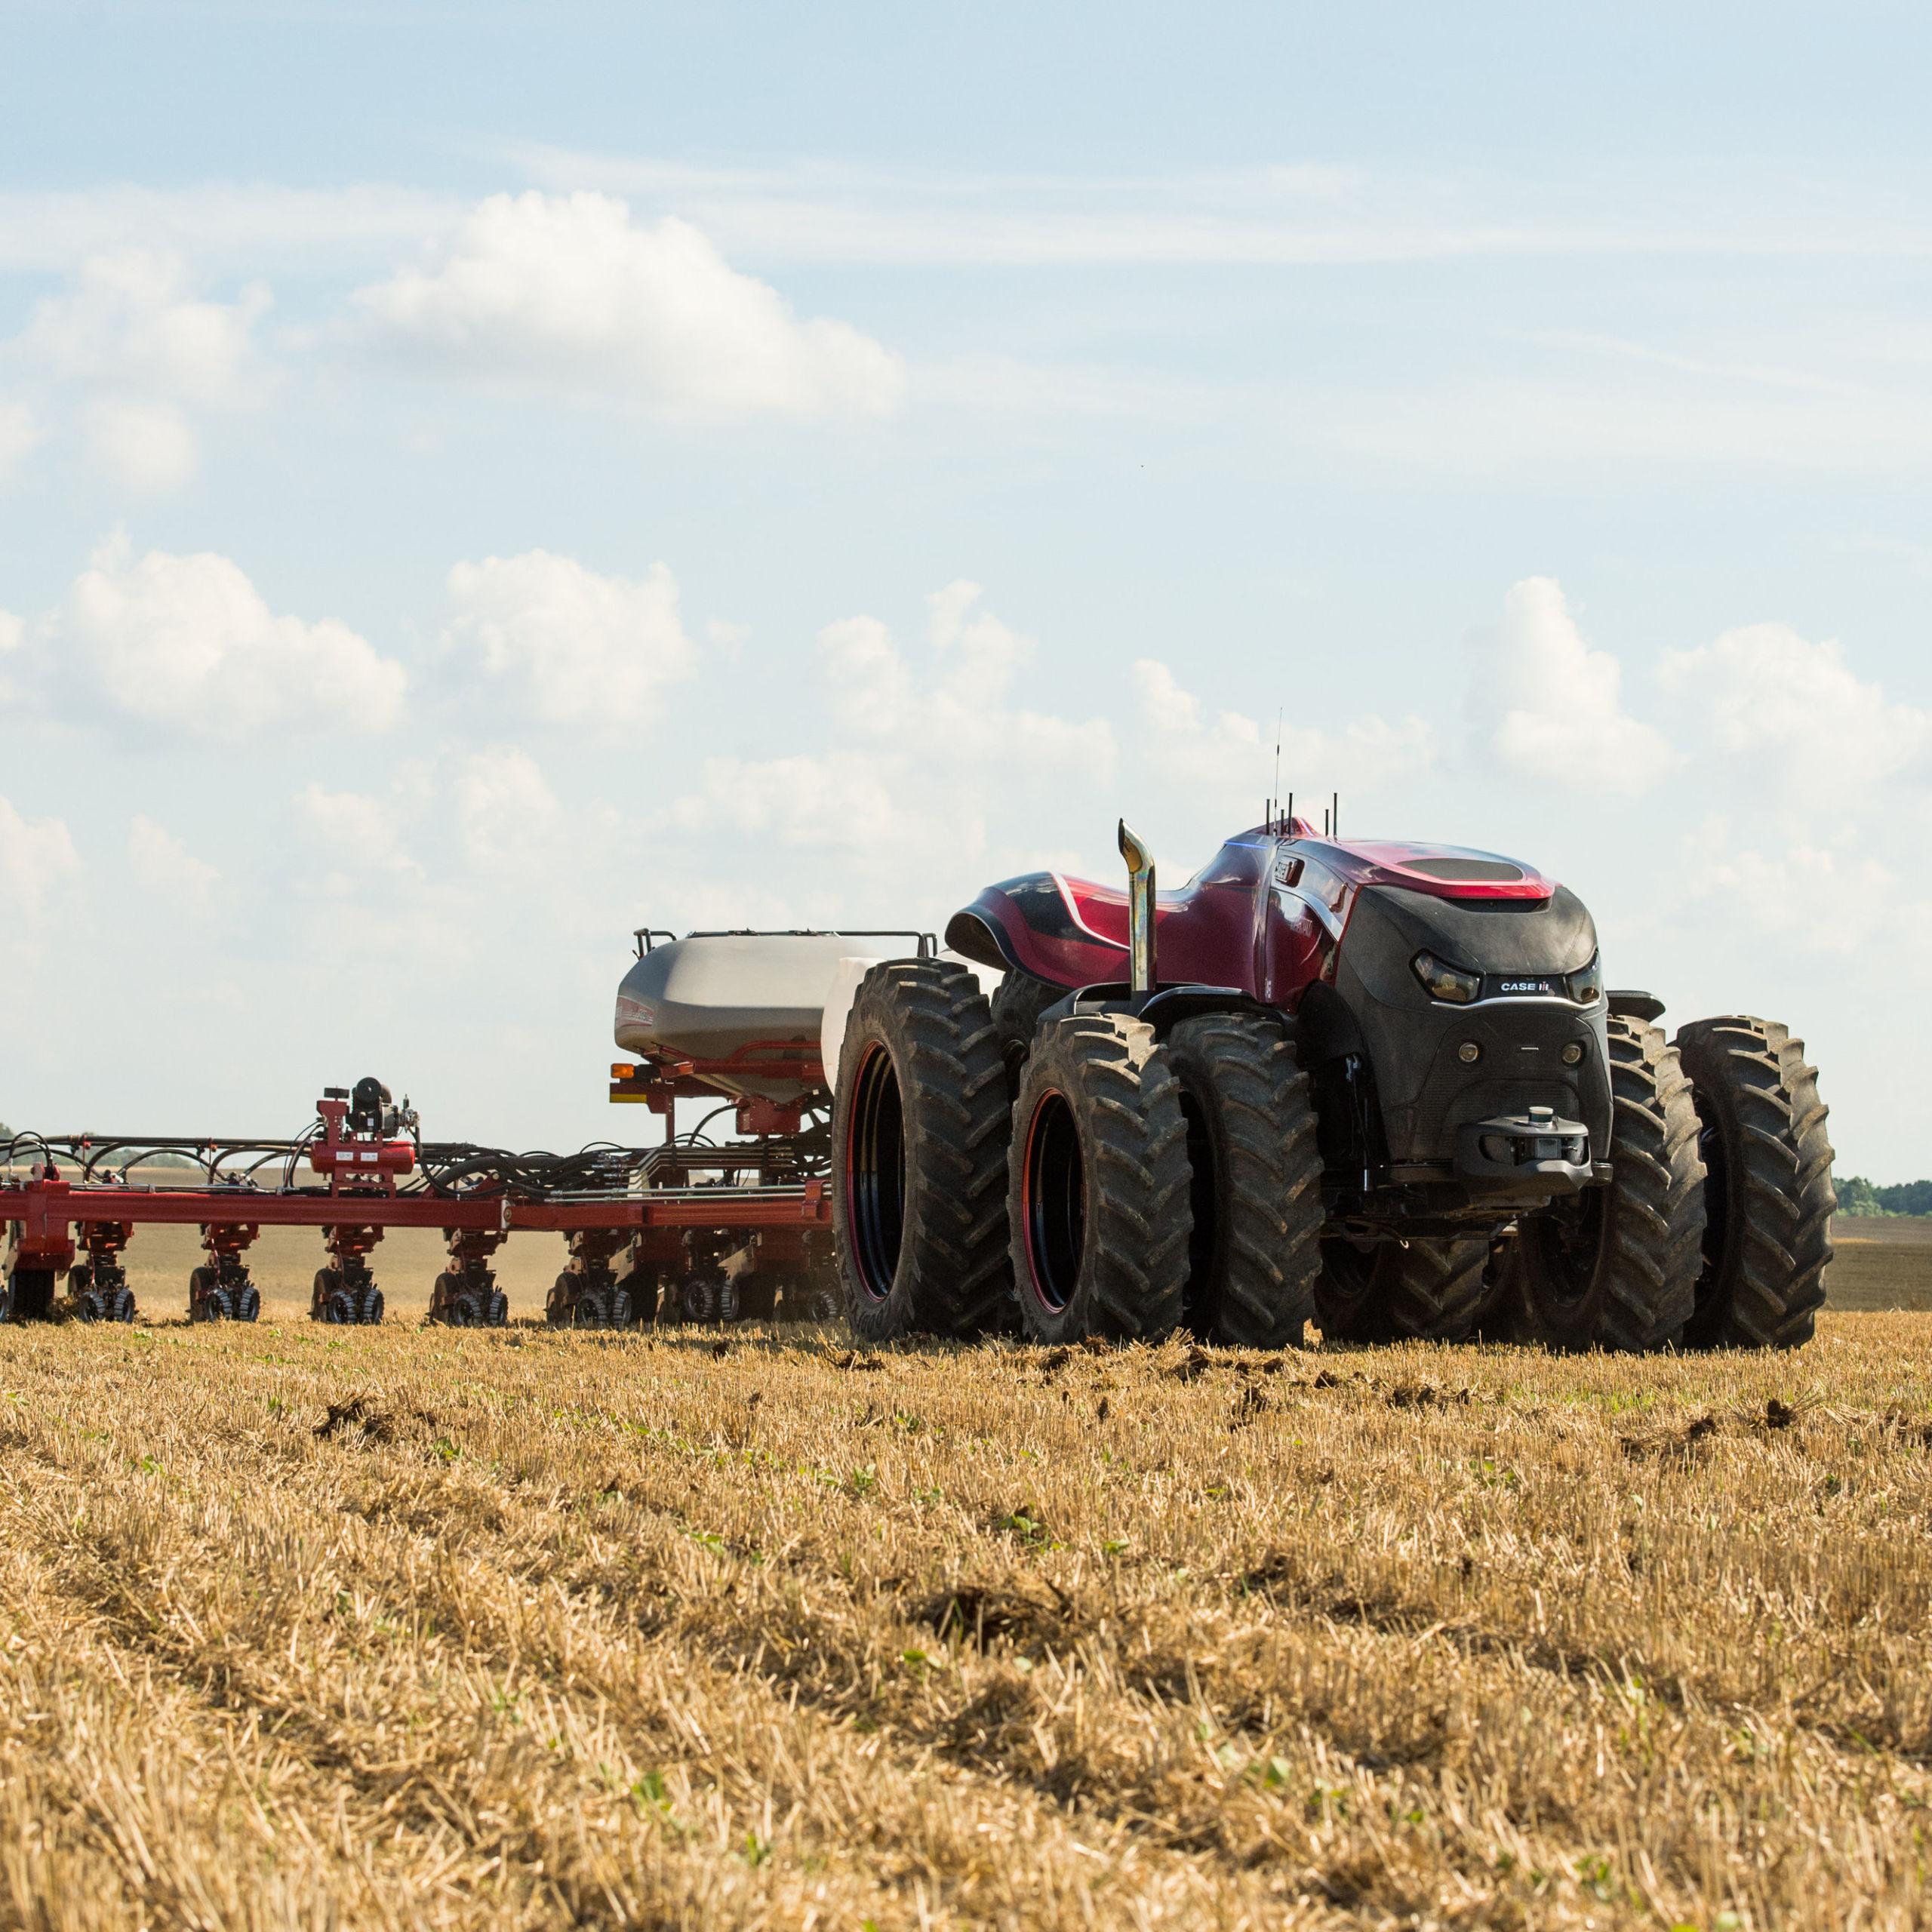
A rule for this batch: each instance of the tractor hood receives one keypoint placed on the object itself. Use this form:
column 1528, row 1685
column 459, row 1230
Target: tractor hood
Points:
column 1441, row 872
column 1073, row 931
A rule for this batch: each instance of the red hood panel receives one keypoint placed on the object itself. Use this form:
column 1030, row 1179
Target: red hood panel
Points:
column 1449, row 871
column 1264, row 914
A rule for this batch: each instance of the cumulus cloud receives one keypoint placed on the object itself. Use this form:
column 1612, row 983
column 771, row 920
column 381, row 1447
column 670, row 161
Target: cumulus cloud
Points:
column 1767, row 690
column 844, row 804
column 144, row 350
column 37, row 856
column 353, row 832
column 162, row 865
column 1235, row 753
column 1727, row 879
column 132, row 321
column 147, row 448
column 574, row 647
column 567, row 295
column 20, row 433
column 929, row 770
column 960, row 708
column 188, row 644
column 1543, row 705
column 505, row 808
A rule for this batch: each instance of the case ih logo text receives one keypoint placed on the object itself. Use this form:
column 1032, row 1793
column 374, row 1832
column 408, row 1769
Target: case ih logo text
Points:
column 1525, row 987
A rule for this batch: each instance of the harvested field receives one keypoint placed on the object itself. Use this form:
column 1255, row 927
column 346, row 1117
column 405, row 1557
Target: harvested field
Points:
column 1881, row 1261
column 405, row 1628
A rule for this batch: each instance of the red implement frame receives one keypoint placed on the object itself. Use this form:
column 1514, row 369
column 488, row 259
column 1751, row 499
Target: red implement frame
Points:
column 49, row 1217
column 45, row 1213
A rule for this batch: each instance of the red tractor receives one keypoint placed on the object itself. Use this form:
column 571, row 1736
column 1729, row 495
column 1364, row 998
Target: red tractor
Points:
column 1378, row 1083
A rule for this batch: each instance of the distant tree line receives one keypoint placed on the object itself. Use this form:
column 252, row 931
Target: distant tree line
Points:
column 1857, row 1196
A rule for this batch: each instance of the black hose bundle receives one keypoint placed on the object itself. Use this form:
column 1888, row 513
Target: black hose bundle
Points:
column 462, row 1167
column 445, row 1168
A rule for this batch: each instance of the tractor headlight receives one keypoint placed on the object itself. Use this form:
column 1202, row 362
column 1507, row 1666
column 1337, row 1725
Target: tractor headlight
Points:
column 1586, row 987
column 1444, row 981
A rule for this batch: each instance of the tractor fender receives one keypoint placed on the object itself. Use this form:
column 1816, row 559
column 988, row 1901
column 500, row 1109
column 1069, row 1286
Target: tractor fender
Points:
column 1631, row 1005
column 1041, row 924
column 1163, row 1010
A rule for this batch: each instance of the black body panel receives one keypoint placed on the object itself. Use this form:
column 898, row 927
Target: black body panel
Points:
column 1426, row 1091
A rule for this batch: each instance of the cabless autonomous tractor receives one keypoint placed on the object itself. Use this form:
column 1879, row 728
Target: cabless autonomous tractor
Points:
column 1379, row 1083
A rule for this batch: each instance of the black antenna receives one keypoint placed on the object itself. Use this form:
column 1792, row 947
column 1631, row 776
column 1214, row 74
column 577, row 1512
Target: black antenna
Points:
column 1277, row 752
column 1324, row 825
column 1335, row 816
column 1291, row 812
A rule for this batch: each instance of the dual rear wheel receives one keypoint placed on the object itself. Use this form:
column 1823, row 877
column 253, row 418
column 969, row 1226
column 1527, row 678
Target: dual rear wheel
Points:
column 1094, row 1180
column 1715, row 1232
column 1104, row 1182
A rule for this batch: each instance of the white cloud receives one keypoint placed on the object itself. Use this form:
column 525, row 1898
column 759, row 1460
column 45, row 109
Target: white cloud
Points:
column 188, row 644
column 567, row 295
column 576, row 648
column 843, row 803
column 1235, row 754
column 162, row 865
column 149, row 448
column 1543, row 705
column 1228, row 750
column 963, row 712
column 354, row 832
column 19, row 433
column 143, row 350
column 871, row 688
column 925, row 760
column 13, row 632
column 37, row 856
column 1726, row 881
column 1766, row 689
column 134, row 323
column 505, row 809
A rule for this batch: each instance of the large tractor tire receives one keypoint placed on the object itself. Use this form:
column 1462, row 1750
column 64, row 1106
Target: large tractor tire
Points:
column 1417, row 1290
column 1617, row 1267
column 1097, row 1195
column 1768, row 1198
column 1255, row 1186
column 919, row 1129
column 1018, row 1001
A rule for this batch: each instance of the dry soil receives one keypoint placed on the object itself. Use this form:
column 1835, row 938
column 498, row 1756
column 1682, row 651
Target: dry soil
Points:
column 405, row 1628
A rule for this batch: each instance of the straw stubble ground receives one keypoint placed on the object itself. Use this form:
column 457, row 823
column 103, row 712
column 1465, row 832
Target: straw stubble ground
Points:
column 406, row 1628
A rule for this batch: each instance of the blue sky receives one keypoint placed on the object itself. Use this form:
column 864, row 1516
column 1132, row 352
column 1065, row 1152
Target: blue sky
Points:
column 472, row 479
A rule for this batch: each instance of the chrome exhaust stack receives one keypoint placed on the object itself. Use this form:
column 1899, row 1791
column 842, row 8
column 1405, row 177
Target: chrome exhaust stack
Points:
column 1139, row 911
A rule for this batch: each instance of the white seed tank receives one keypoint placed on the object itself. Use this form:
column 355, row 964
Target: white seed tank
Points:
column 717, row 994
